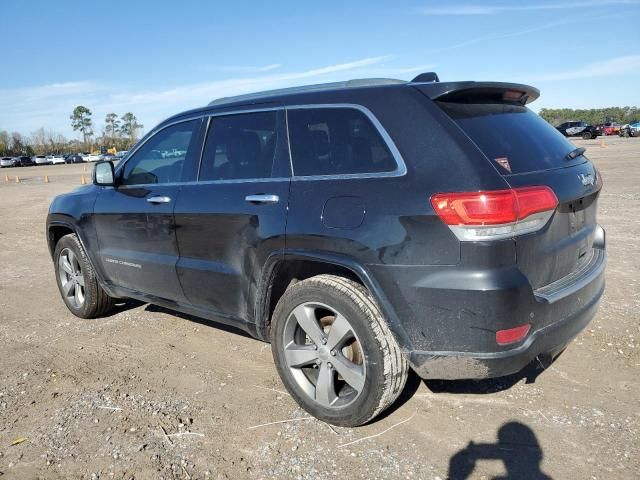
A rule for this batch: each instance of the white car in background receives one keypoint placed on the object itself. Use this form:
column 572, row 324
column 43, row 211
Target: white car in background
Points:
column 40, row 160
column 92, row 157
column 55, row 159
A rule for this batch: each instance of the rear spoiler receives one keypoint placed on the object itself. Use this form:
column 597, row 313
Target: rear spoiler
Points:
column 478, row 92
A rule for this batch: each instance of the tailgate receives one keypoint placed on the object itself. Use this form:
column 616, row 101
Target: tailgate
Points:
column 527, row 151
column 565, row 244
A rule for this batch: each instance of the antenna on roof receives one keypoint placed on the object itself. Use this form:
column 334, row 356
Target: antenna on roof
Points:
column 427, row 77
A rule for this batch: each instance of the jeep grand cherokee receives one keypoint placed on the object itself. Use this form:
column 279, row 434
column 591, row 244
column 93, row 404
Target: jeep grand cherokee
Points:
column 363, row 228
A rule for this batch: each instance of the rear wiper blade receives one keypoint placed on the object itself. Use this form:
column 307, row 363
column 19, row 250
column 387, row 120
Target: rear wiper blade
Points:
column 575, row 153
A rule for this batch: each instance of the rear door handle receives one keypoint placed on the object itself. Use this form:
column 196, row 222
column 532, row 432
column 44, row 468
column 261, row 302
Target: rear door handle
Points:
column 262, row 198
column 159, row 199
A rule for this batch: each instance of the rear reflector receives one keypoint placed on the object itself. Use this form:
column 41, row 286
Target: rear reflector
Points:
column 495, row 214
column 512, row 335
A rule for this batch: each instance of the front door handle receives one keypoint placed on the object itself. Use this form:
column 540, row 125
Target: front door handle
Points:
column 262, row 198
column 159, row 199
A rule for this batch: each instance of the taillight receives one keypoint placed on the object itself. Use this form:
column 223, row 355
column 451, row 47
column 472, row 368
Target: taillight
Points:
column 512, row 335
column 495, row 214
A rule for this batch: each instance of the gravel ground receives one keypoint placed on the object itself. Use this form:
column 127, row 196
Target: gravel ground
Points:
column 147, row 393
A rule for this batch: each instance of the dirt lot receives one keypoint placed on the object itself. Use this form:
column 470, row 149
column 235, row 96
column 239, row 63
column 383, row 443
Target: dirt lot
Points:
column 147, row 393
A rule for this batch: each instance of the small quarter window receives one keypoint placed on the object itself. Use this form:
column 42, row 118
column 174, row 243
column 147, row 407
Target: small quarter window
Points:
column 336, row 141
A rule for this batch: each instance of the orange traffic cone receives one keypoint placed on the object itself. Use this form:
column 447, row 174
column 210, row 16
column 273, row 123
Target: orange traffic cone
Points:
column 82, row 180
column 17, row 179
column 46, row 179
column 603, row 144
column 6, row 178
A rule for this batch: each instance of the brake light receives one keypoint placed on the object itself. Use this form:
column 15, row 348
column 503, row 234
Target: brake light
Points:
column 512, row 335
column 487, row 215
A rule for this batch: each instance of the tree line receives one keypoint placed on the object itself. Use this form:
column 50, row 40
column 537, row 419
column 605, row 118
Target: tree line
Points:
column 120, row 133
column 593, row 116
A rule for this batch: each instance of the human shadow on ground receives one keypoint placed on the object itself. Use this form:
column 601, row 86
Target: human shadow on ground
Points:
column 517, row 447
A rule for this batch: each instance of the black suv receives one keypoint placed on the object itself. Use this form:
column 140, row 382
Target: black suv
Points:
column 363, row 228
column 578, row 129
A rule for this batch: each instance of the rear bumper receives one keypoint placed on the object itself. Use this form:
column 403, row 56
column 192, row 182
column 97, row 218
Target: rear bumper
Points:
column 451, row 315
column 545, row 342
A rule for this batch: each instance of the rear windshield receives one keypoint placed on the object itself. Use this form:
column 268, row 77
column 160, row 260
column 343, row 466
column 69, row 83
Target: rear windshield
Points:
column 512, row 136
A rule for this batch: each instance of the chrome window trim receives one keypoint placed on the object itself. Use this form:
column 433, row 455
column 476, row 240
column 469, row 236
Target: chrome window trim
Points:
column 200, row 116
column 143, row 142
column 401, row 167
column 239, row 111
column 205, row 182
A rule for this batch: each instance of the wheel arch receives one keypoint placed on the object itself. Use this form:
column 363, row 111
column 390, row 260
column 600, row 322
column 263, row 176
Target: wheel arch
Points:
column 58, row 228
column 282, row 268
column 59, row 225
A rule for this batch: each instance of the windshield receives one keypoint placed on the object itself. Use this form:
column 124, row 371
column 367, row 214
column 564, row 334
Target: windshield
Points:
column 512, row 136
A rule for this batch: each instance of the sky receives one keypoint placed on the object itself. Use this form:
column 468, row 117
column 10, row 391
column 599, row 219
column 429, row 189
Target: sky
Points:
column 157, row 58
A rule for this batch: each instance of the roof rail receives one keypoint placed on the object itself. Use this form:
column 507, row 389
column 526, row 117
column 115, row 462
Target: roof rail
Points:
column 359, row 82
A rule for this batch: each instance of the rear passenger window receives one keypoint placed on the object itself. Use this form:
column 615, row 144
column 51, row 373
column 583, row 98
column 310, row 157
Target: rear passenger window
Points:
column 336, row 141
column 240, row 146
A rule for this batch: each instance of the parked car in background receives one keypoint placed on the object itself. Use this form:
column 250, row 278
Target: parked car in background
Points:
column 92, row 157
column 109, row 156
column 56, row 159
column 26, row 161
column 121, row 154
column 74, row 158
column 40, row 160
column 630, row 130
column 608, row 128
column 577, row 129
column 9, row 162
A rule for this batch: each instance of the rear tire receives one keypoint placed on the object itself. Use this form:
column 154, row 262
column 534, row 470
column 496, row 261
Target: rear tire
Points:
column 334, row 351
column 587, row 136
column 77, row 281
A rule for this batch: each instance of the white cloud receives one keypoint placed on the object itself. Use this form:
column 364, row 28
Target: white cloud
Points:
column 400, row 71
column 47, row 91
column 244, row 68
column 625, row 65
column 202, row 93
column 514, row 33
column 486, row 9
column 49, row 106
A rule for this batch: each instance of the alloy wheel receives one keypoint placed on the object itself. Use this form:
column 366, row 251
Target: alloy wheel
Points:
column 71, row 278
column 324, row 355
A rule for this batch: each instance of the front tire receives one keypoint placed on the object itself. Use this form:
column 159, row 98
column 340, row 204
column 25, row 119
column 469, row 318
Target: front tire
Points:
column 77, row 281
column 334, row 351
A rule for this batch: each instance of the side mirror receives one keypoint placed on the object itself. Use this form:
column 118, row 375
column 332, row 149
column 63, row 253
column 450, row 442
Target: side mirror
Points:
column 103, row 174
